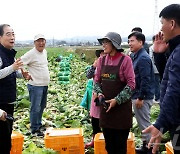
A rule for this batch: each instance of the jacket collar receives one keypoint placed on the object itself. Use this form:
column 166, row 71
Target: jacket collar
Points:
column 136, row 54
column 9, row 52
column 174, row 42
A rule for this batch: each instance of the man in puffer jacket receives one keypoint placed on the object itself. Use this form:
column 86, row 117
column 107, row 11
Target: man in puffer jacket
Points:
column 169, row 117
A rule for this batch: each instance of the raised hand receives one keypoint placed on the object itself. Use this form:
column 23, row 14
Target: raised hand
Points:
column 159, row 44
column 17, row 64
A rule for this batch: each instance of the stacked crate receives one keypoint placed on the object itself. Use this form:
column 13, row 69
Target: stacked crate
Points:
column 17, row 140
column 65, row 71
column 99, row 144
column 64, row 142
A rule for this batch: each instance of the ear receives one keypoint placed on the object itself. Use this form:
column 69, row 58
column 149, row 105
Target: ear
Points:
column 173, row 24
column 141, row 42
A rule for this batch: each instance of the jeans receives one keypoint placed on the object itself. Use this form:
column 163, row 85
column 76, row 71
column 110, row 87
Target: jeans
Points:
column 38, row 98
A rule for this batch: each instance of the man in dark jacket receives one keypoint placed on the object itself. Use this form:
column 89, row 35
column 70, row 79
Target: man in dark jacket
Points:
column 138, row 29
column 8, row 68
column 142, row 97
column 169, row 117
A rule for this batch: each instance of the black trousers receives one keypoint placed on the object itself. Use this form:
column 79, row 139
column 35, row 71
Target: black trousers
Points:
column 175, row 138
column 116, row 140
column 95, row 125
column 6, row 130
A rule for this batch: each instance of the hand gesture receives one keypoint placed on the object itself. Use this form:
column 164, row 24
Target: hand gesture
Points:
column 17, row 64
column 26, row 75
column 159, row 44
column 156, row 137
column 3, row 116
column 112, row 103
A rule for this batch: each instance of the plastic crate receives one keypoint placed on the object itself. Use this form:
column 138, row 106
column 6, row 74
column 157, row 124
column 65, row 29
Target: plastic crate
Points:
column 17, row 140
column 65, row 144
column 169, row 148
column 99, row 144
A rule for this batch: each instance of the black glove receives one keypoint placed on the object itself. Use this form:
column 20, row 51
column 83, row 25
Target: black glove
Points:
column 101, row 101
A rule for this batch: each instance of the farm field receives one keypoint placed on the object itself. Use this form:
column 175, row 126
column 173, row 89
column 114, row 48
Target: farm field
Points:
column 63, row 106
column 63, row 110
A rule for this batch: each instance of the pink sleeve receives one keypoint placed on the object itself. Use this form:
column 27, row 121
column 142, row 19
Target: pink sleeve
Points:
column 98, row 70
column 126, row 72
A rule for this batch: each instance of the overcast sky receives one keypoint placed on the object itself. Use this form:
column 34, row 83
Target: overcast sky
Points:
column 60, row 19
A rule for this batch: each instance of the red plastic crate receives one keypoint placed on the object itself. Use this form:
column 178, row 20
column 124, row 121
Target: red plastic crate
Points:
column 99, row 144
column 66, row 144
column 17, row 140
column 169, row 148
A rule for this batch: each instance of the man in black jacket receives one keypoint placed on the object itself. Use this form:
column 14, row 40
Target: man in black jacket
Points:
column 169, row 117
column 8, row 68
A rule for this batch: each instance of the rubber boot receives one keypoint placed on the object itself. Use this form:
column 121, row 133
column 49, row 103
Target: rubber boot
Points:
column 90, row 144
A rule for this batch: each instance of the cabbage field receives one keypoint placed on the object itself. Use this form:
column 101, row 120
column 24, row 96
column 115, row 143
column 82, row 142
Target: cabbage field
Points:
column 63, row 106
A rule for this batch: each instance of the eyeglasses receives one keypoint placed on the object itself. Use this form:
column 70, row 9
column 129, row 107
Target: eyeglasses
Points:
column 8, row 34
column 105, row 42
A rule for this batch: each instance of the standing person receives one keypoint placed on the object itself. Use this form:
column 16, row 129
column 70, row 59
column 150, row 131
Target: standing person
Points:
column 152, row 55
column 114, row 81
column 169, row 117
column 138, row 29
column 142, row 97
column 8, row 74
column 146, row 46
column 37, row 65
column 94, row 110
